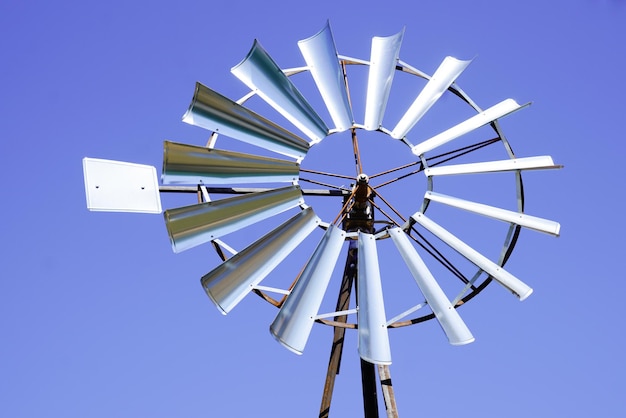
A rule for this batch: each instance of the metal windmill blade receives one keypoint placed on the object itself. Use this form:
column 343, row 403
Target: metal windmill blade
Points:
column 388, row 195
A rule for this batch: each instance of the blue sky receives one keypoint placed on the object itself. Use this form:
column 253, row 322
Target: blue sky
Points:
column 100, row 318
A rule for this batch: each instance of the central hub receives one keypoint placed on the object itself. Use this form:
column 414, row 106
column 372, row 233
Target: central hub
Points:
column 360, row 213
column 362, row 189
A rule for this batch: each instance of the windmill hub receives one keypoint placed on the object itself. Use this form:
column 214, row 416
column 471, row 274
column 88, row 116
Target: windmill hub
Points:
column 360, row 216
column 362, row 190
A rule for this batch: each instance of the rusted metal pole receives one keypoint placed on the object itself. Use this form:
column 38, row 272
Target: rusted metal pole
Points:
column 343, row 304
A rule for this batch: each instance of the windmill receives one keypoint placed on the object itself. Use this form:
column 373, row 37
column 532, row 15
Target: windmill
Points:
column 267, row 183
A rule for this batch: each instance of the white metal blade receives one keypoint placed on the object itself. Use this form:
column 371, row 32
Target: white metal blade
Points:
column 321, row 56
column 373, row 334
column 448, row 317
column 117, row 186
column 527, row 221
column 506, row 279
column 190, row 164
column 259, row 72
column 193, row 225
column 232, row 280
column 486, row 116
column 445, row 75
column 210, row 110
column 383, row 60
column 295, row 319
column 527, row 163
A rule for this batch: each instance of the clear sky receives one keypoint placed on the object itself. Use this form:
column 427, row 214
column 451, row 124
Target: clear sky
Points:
column 99, row 318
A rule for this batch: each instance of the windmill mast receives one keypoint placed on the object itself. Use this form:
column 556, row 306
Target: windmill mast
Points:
column 358, row 216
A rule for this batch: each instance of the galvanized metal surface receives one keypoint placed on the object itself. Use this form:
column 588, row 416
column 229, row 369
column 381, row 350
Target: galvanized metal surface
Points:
column 189, row 164
column 506, row 279
column 193, row 225
column 449, row 319
column 295, row 319
column 382, row 67
column 210, row 110
column 528, row 163
column 527, row 221
column 445, row 75
column 372, row 324
column 259, row 72
column 232, row 280
column 497, row 111
column 320, row 53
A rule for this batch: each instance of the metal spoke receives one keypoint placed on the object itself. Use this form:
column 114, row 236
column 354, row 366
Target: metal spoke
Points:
column 437, row 255
column 385, row 213
column 461, row 151
column 355, row 141
column 357, row 154
column 395, row 169
column 453, row 154
column 322, row 173
column 389, row 206
column 324, row 184
column 400, row 178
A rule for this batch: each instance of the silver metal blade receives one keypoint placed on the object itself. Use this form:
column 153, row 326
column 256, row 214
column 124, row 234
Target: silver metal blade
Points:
column 189, row 164
column 232, row 280
column 321, row 56
column 259, row 72
column 295, row 319
column 373, row 336
column 487, row 116
column 448, row 317
column 210, row 110
column 448, row 71
column 528, row 163
column 506, row 279
column 193, row 225
column 527, row 221
column 383, row 60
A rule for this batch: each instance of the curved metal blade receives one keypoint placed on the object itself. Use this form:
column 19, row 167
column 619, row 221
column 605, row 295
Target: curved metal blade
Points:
column 448, row 317
column 383, row 60
column 372, row 324
column 321, row 56
column 486, row 116
column 189, row 164
column 295, row 319
column 506, row 279
column 232, row 280
column 527, row 221
column 210, row 110
column 528, row 163
column 259, row 72
column 193, row 225
column 448, row 71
